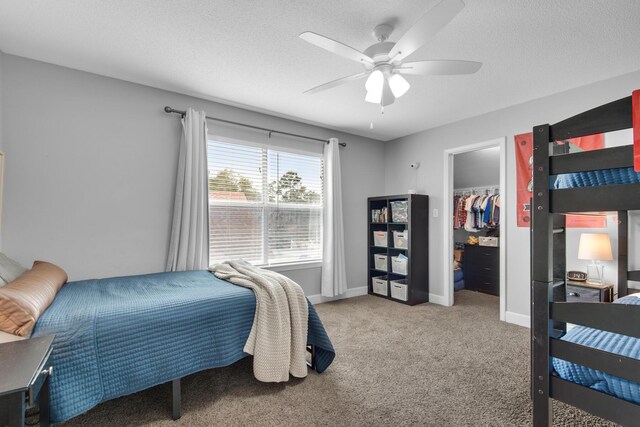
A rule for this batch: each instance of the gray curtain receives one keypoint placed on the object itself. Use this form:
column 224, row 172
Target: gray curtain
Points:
column 334, row 276
column 189, row 245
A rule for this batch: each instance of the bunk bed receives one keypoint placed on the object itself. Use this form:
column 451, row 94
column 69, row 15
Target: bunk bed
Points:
column 589, row 181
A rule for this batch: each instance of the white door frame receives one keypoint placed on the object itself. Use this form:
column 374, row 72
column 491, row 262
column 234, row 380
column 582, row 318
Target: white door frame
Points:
column 448, row 215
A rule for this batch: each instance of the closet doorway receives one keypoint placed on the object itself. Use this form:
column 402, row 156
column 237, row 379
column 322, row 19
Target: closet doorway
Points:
column 475, row 226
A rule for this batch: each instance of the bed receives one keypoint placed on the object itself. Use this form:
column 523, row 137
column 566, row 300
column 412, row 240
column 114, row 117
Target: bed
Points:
column 596, row 178
column 595, row 365
column 121, row 335
column 606, row 341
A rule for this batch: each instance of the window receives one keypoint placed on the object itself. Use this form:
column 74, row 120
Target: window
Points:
column 265, row 205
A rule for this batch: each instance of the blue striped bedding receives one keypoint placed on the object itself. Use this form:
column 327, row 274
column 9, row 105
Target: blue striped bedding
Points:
column 607, row 341
column 121, row 335
column 596, row 178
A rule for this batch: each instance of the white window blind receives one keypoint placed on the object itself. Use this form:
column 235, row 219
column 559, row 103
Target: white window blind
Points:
column 265, row 205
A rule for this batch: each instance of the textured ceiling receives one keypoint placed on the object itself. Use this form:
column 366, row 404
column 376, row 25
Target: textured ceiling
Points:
column 248, row 54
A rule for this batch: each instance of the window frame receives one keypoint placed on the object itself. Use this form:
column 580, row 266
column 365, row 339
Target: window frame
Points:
column 266, row 205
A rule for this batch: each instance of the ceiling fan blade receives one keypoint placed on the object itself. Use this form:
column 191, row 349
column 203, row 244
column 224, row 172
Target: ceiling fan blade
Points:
column 387, row 95
column 336, row 47
column 336, row 82
column 439, row 68
column 426, row 27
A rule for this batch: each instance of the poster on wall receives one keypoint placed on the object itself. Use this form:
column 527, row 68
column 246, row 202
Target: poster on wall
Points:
column 524, row 181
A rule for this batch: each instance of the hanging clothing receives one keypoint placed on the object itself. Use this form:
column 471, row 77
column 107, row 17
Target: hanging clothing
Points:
column 473, row 212
column 487, row 208
column 496, row 211
column 471, row 220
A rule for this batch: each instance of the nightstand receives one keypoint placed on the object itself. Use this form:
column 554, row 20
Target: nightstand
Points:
column 25, row 368
column 589, row 292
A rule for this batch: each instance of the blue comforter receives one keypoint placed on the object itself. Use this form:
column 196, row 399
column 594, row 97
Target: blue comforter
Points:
column 596, row 178
column 121, row 335
column 607, row 341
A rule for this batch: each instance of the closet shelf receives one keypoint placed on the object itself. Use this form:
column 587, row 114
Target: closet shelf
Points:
column 388, row 223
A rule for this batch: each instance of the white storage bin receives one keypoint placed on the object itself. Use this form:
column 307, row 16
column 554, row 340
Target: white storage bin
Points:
column 489, row 241
column 380, row 262
column 380, row 286
column 380, row 238
column 401, row 239
column 398, row 265
column 399, row 289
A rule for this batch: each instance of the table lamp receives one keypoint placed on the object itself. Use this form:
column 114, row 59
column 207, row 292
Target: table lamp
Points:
column 595, row 247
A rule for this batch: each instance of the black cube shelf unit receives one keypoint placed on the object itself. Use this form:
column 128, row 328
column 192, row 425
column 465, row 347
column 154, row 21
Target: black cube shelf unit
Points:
column 412, row 235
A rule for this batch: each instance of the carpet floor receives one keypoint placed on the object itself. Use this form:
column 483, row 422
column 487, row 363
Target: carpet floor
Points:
column 396, row 365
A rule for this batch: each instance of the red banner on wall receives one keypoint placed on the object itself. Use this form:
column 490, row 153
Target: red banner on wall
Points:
column 524, row 181
column 524, row 174
column 635, row 107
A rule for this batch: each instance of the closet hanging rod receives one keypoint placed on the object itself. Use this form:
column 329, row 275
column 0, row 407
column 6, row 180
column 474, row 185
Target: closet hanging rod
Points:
column 481, row 188
column 168, row 109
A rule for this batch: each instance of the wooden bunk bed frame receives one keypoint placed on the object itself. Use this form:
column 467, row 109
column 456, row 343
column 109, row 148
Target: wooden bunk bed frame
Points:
column 549, row 311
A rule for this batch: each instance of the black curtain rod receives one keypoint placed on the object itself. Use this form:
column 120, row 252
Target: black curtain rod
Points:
column 168, row 109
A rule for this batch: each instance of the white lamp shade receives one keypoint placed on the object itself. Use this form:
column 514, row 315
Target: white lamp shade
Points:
column 374, row 81
column 595, row 247
column 399, row 85
column 373, row 96
column 374, row 87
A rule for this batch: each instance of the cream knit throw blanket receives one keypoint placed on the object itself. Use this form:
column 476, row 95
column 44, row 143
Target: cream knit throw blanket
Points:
column 278, row 337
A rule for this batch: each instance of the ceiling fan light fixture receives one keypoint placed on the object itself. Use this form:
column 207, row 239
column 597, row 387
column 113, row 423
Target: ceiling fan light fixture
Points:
column 374, row 87
column 384, row 62
column 374, row 97
column 399, row 85
column 374, row 81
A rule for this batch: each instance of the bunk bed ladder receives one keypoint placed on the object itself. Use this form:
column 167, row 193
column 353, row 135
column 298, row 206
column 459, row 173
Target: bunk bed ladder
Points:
column 542, row 279
column 624, row 275
column 559, row 267
column 623, row 247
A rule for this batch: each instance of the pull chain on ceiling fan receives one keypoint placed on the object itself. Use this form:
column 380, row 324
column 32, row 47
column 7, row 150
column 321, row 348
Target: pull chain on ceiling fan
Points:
column 384, row 61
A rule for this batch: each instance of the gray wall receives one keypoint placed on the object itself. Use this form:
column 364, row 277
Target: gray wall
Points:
column 1, row 141
column 477, row 168
column 1, row 60
column 91, row 171
column 428, row 147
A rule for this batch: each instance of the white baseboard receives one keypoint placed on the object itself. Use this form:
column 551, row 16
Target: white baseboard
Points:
column 437, row 299
column 517, row 319
column 356, row 292
column 351, row 292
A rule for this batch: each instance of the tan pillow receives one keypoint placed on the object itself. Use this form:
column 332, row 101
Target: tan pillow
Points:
column 27, row 297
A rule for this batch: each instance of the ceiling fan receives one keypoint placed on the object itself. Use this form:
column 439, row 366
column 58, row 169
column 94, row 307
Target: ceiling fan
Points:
column 384, row 61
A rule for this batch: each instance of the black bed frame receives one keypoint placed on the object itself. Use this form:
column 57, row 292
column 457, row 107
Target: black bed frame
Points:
column 176, row 391
column 549, row 312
